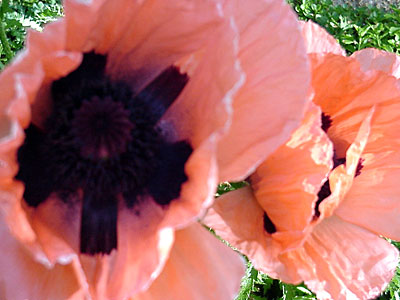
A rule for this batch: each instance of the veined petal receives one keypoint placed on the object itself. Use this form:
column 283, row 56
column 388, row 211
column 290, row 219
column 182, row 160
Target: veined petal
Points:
column 199, row 267
column 346, row 94
column 142, row 247
column 273, row 57
column 154, row 35
column 343, row 261
column 373, row 201
column 202, row 122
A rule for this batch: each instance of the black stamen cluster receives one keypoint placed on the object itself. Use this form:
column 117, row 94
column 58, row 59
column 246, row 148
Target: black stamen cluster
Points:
column 102, row 142
column 326, row 122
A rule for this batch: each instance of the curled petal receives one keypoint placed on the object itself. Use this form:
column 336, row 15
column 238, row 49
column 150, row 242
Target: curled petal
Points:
column 342, row 177
column 238, row 216
column 346, row 94
column 199, row 267
column 318, row 40
column 277, row 77
column 297, row 170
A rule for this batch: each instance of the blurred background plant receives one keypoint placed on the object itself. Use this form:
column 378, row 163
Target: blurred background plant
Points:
column 382, row 4
column 355, row 24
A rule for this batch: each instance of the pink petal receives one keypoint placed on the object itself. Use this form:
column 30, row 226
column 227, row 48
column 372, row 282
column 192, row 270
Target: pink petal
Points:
column 143, row 247
column 24, row 278
column 343, row 261
column 318, row 40
column 199, row 267
column 272, row 101
column 143, row 38
column 374, row 199
column 238, row 219
column 346, row 94
column 341, row 178
column 297, row 170
column 202, row 122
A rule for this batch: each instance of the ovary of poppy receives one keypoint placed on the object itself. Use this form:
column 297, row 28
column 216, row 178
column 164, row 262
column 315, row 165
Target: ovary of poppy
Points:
column 88, row 66
column 341, row 254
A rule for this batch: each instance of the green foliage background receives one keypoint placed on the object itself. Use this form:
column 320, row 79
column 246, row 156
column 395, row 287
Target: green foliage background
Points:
column 18, row 16
column 354, row 28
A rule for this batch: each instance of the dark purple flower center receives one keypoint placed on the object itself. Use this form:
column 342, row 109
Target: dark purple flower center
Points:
column 103, row 141
column 102, row 128
column 269, row 226
column 326, row 122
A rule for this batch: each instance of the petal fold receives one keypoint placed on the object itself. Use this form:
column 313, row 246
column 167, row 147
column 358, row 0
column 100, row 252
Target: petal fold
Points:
column 274, row 96
column 199, row 267
column 21, row 277
column 343, row 261
column 297, row 170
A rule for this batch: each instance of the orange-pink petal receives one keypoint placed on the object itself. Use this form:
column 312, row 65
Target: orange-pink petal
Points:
column 199, row 267
column 341, row 178
column 318, row 40
column 374, row 199
column 238, row 218
column 342, row 261
column 153, row 35
column 271, row 103
column 21, row 277
column 142, row 252
column 285, row 187
column 297, row 170
column 346, row 94
column 201, row 115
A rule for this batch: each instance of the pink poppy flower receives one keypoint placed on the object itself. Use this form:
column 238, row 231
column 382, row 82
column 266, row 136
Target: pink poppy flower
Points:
column 299, row 221
column 117, row 123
